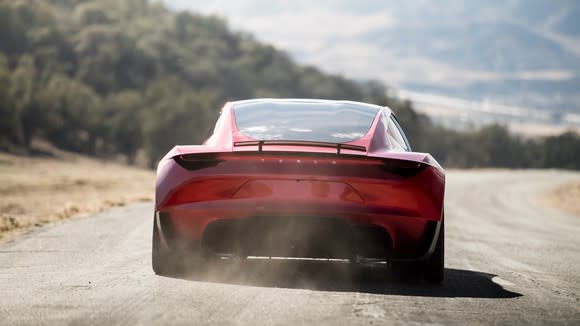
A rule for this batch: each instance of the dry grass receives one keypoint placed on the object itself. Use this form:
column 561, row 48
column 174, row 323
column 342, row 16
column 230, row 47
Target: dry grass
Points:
column 565, row 197
column 35, row 191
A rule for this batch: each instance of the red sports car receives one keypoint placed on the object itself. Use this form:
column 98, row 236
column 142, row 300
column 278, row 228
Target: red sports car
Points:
column 301, row 178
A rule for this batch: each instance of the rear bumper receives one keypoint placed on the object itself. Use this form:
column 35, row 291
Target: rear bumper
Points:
column 404, row 235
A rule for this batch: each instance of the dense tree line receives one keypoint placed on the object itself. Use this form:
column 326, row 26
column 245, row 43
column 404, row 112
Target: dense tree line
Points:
column 110, row 77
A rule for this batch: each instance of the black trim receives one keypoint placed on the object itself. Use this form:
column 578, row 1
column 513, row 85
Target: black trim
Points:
column 197, row 161
column 338, row 146
column 403, row 168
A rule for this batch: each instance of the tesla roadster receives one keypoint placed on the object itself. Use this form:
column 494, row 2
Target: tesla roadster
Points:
column 300, row 178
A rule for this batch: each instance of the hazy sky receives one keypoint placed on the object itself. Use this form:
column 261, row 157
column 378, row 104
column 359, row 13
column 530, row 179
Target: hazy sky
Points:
column 356, row 38
column 323, row 33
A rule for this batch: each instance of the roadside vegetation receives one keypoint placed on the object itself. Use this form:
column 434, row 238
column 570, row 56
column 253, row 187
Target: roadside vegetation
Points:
column 565, row 197
column 124, row 77
column 41, row 189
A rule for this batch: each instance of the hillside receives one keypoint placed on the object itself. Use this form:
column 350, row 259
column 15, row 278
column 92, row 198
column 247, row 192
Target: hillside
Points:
column 132, row 79
column 107, row 77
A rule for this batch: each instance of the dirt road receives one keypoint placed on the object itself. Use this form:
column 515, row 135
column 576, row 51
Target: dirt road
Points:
column 508, row 261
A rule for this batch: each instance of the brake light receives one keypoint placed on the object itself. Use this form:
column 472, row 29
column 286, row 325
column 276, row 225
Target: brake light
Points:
column 402, row 167
column 197, row 161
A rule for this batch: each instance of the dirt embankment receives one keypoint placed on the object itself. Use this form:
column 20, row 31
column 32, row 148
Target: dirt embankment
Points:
column 565, row 197
column 35, row 191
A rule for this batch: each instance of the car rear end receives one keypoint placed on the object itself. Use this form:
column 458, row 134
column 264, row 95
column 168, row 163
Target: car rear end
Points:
column 301, row 204
column 299, row 179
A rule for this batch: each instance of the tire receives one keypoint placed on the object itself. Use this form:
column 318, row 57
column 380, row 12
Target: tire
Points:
column 163, row 260
column 434, row 268
column 431, row 270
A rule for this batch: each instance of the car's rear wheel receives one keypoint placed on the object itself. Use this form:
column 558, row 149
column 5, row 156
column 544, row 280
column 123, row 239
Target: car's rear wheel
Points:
column 164, row 260
column 431, row 270
column 434, row 268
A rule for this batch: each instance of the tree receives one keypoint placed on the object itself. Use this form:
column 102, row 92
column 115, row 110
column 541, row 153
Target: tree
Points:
column 123, row 122
column 108, row 77
column 74, row 115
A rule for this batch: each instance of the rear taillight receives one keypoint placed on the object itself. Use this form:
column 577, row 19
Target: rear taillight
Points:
column 403, row 168
column 197, row 161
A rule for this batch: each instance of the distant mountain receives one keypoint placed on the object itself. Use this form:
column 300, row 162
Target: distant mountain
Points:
column 518, row 52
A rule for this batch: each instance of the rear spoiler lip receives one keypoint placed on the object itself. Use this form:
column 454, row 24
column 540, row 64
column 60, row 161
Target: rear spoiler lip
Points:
column 418, row 157
column 338, row 146
column 398, row 166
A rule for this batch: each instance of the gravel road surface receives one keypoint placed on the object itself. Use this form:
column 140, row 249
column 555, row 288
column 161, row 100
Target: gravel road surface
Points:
column 509, row 261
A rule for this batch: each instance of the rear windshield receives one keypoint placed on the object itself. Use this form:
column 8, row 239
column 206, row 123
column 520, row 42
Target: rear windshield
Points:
column 304, row 121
